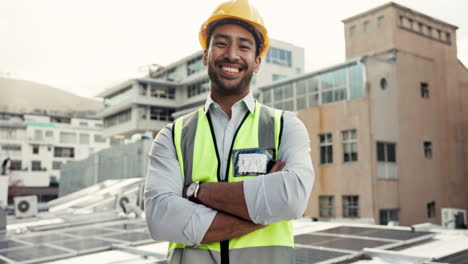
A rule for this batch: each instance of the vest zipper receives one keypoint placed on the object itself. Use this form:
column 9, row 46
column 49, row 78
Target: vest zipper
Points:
column 224, row 245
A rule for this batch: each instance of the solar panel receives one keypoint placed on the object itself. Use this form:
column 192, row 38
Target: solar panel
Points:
column 457, row 258
column 5, row 244
column 346, row 243
column 131, row 237
column 44, row 238
column 33, row 253
column 90, row 232
column 85, row 245
column 375, row 232
column 310, row 255
column 127, row 226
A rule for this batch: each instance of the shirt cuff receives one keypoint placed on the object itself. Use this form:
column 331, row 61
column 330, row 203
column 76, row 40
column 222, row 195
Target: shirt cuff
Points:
column 199, row 223
column 256, row 199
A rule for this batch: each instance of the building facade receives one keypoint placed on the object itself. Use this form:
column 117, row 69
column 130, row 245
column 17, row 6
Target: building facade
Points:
column 146, row 105
column 38, row 145
column 389, row 127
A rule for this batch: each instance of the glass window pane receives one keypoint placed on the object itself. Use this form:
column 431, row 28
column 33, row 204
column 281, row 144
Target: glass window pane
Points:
column 301, row 87
column 301, row 103
column 380, row 151
column 313, row 99
column 278, row 91
column 391, row 154
column 312, row 84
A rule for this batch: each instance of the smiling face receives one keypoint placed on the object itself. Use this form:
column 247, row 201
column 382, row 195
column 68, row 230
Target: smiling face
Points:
column 231, row 60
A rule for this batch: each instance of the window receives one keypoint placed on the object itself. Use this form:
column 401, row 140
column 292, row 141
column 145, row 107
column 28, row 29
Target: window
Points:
column 11, row 147
column 424, row 90
column 118, row 97
column 162, row 114
column 99, row 138
column 279, row 56
column 447, row 35
column 195, row 65
column 7, row 133
column 118, row 118
column 389, row 215
column 386, row 161
column 143, row 89
column 49, row 134
column 56, row 165
column 15, row 165
column 277, row 77
column 326, row 148
column 60, row 152
column 36, row 165
column 198, row 88
column 350, row 206
column 327, row 206
column 84, row 124
column 35, row 149
column 38, row 135
column 383, row 83
column 431, row 209
column 59, row 119
column 421, row 27
column 428, row 149
column 352, row 31
column 68, row 137
column 84, row 138
column 366, row 26
column 143, row 112
column 349, row 145
column 162, row 91
column 380, row 21
column 171, row 74
column 386, row 152
column 99, row 125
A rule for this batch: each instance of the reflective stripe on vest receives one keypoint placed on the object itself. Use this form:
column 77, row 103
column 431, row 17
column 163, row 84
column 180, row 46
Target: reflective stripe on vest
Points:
column 198, row 158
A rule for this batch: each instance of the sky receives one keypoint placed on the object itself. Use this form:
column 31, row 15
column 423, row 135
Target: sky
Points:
column 88, row 46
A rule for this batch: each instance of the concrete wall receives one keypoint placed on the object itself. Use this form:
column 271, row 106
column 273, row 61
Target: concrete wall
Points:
column 339, row 178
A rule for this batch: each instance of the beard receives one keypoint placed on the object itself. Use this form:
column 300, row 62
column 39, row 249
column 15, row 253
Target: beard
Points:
column 227, row 87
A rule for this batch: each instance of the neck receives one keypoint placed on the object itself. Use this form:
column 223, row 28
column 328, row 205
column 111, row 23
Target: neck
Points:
column 227, row 101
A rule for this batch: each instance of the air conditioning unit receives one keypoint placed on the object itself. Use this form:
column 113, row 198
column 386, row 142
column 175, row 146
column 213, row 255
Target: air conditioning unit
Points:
column 454, row 218
column 127, row 198
column 25, row 206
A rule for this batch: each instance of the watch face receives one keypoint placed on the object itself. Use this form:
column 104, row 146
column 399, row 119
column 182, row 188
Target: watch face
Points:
column 191, row 189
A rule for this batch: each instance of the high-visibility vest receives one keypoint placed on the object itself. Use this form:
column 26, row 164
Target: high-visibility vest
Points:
column 198, row 157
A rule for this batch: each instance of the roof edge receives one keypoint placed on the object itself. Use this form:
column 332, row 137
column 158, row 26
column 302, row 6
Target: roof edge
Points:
column 404, row 8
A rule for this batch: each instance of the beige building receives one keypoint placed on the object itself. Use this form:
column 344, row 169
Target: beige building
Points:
column 399, row 152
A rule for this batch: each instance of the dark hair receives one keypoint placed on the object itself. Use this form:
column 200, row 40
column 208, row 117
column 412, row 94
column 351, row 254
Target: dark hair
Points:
column 247, row 26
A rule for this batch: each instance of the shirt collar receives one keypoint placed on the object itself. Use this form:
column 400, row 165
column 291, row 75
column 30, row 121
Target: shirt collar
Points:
column 248, row 101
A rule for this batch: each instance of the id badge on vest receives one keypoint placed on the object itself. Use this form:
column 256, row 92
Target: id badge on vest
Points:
column 252, row 162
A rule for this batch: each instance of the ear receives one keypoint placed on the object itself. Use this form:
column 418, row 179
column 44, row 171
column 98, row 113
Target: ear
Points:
column 258, row 61
column 205, row 57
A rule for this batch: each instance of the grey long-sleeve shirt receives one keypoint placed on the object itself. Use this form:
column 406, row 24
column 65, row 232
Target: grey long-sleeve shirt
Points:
column 270, row 198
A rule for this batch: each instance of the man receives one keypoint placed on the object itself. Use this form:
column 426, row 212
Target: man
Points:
column 223, row 181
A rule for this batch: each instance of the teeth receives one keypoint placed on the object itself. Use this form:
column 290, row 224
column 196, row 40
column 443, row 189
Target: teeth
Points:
column 229, row 69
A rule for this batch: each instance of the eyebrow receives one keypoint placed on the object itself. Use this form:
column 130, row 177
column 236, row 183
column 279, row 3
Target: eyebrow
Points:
column 227, row 37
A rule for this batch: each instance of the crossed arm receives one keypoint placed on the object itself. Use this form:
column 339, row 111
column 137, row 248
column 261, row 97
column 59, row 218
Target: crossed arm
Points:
column 227, row 210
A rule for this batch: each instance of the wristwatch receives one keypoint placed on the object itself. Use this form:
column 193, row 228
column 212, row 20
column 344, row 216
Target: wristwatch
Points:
column 192, row 191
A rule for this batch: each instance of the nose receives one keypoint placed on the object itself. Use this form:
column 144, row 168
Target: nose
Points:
column 231, row 53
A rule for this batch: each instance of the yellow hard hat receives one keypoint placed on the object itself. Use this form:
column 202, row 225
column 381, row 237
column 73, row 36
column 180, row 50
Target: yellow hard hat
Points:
column 237, row 9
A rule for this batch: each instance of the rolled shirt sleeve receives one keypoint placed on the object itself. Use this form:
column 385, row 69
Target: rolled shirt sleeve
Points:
column 169, row 216
column 283, row 195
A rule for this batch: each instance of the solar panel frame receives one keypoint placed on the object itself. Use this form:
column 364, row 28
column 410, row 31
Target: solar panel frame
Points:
column 314, row 255
column 44, row 238
column 52, row 252
column 91, row 232
column 340, row 242
column 119, row 238
column 18, row 244
column 85, row 245
column 376, row 233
